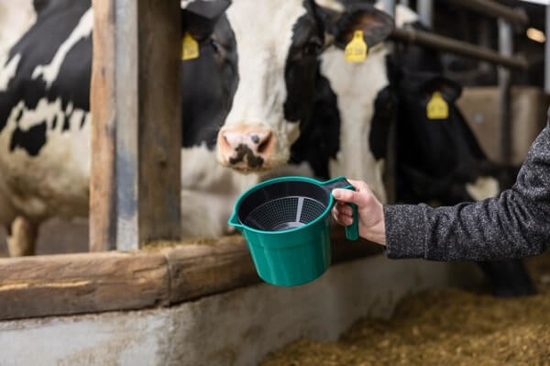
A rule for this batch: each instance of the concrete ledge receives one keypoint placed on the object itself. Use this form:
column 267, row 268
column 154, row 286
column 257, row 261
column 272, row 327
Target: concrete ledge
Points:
column 235, row 328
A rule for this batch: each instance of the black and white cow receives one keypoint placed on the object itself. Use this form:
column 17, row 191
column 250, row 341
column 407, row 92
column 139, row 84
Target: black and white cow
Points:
column 273, row 64
column 264, row 55
column 356, row 103
column 440, row 161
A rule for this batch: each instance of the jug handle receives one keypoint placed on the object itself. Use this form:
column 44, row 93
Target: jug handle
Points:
column 234, row 221
column 352, row 231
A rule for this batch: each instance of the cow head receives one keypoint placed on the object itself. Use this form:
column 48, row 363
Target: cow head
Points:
column 267, row 51
column 202, row 92
column 430, row 145
column 439, row 159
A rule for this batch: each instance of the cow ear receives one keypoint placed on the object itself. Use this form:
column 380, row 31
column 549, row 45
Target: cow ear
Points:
column 342, row 21
column 199, row 17
column 449, row 89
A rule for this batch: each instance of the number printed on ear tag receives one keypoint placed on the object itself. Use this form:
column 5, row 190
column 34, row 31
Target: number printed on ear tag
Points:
column 190, row 48
column 437, row 107
column 356, row 50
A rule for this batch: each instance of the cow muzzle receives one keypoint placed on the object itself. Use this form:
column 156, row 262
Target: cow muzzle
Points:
column 246, row 148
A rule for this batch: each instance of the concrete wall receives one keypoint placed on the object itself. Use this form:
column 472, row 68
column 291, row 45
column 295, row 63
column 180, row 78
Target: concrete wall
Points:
column 236, row 328
column 481, row 108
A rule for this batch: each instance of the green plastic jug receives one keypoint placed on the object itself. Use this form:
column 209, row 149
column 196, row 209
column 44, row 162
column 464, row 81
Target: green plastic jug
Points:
column 286, row 223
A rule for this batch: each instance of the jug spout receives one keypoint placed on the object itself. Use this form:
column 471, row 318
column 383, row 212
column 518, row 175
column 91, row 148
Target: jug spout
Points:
column 234, row 221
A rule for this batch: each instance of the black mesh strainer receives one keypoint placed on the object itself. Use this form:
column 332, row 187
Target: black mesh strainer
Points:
column 285, row 204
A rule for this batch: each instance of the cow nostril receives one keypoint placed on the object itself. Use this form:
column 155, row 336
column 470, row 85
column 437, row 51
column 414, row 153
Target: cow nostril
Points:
column 255, row 138
column 263, row 146
column 265, row 142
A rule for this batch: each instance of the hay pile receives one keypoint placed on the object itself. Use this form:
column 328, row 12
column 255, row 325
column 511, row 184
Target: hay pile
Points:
column 438, row 327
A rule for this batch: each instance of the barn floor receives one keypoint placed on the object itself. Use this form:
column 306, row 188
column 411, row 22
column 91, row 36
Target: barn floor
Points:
column 442, row 326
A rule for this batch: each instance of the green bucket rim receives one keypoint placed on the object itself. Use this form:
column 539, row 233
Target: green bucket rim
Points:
column 234, row 221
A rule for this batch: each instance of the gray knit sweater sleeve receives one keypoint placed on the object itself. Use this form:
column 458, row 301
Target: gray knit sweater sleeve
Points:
column 515, row 224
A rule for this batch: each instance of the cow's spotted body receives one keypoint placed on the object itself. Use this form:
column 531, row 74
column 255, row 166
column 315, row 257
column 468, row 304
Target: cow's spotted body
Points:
column 44, row 126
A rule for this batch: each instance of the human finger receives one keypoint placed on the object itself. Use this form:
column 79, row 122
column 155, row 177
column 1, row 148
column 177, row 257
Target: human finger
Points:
column 360, row 198
column 342, row 219
column 344, row 208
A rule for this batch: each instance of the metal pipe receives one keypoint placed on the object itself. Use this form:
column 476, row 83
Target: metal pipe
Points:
column 547, row 55
column 494, row 9
column 390, row 172
column 486, row 41
column 404, row 3
column 425, row 12
column 458, row 47
column 505, row 46
column 126, row 143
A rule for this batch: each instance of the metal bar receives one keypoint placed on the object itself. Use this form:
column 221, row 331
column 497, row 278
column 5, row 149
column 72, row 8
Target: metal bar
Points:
column 390, row 172
column 505, row 46
column 425, row 12
column 127, row 111
column 495, row 9
column 485, row 40
column 404, row 3
column 547, row 55
column 458, row 47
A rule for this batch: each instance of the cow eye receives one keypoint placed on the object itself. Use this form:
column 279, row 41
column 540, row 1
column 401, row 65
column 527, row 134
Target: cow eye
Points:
column 215, row 45
column 313, row 47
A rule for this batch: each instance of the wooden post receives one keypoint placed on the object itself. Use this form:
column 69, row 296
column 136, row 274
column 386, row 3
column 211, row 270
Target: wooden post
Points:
column 136, row 136
column 102, row 99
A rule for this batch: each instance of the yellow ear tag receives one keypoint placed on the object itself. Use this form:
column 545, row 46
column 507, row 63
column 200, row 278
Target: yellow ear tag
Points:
column 190, row 48
column 437, row 107
column 356, row 50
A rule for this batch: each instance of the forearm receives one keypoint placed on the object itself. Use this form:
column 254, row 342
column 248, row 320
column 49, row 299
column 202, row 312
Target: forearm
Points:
column 515, row 224
column 494, row 229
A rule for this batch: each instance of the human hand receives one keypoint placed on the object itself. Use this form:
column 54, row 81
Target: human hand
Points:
column 370, row 211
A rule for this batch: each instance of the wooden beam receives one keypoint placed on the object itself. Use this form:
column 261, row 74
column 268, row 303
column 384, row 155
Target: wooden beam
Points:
column 136, row 138
column 81, row 283
column 98, row 282
column 103, row 107
column 199, row 269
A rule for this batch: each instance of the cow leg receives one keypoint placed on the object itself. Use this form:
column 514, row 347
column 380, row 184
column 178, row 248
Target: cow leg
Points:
column 508, row 278
column 22, row 237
